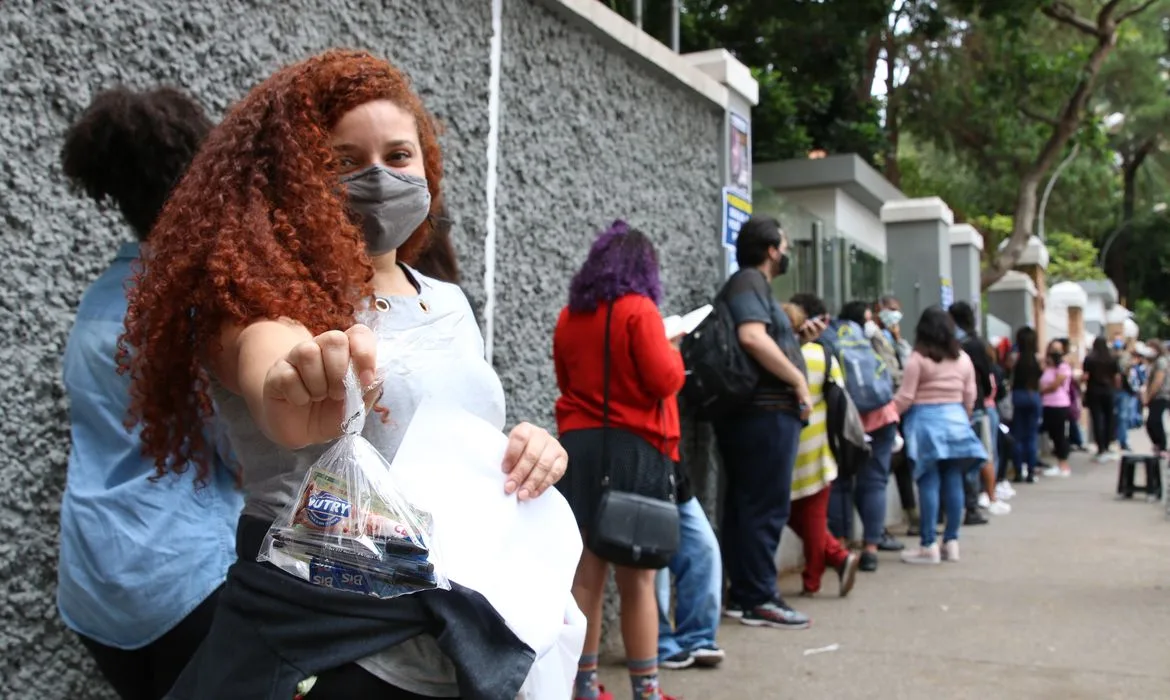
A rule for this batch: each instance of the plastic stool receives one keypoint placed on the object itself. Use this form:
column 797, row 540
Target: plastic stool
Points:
column 1125, row 476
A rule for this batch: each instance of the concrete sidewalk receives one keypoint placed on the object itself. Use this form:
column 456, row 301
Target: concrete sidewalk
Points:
column 1067, row 598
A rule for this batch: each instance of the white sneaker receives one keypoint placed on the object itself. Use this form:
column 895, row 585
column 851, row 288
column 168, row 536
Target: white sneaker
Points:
column 1004, row 491
column 950, row 552
column 984, row 500
column 1051, row 471
column 922, row 555
column 999, row 508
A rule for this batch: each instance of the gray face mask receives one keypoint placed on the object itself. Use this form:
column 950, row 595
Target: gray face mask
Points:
column 391, row 205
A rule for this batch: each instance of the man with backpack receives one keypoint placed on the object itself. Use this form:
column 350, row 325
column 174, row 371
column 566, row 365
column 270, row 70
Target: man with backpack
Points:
column 871, row 386
column 746, row 374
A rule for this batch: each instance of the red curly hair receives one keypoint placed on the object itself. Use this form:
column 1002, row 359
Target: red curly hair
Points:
column 257, row 229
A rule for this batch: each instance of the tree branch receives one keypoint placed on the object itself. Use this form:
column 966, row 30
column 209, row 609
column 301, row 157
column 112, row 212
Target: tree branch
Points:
column 1136, row 11
column 1064, row 13
column 1142, row 152
column 1033, row 114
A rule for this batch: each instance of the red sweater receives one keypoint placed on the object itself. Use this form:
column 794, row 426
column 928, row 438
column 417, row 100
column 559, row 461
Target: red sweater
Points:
column 646, row 372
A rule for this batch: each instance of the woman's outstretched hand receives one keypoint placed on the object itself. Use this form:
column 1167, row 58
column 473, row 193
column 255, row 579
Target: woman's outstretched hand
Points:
column 534, row 461
column 304, row 392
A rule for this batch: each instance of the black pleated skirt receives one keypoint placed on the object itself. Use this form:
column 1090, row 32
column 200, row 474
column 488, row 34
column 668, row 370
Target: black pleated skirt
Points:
column 635, row 466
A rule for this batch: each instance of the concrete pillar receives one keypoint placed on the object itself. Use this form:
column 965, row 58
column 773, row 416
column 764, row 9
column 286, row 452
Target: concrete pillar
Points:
column 735, row 142
column 918, row 244
column 1012, row 300
column 700, row 455
column 1076, row 331
column 1033, row 262
column 966, row 252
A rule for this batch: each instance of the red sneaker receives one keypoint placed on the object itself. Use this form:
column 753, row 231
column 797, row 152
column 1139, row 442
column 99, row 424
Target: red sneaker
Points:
column 602, row 694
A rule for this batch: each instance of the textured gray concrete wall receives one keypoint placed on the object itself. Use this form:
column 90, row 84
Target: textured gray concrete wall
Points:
column 53, row 58
column 588, row 135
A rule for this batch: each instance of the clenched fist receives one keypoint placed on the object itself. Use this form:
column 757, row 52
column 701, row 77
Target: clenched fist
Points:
column 304, row 392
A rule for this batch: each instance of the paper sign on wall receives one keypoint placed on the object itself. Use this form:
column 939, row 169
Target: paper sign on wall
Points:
column 946, row 292
column 740, row 155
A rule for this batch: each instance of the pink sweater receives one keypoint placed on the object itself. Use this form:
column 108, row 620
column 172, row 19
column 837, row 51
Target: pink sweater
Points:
column 926, row 381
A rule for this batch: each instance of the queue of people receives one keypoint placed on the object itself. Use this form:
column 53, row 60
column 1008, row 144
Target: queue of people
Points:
column 226, row 334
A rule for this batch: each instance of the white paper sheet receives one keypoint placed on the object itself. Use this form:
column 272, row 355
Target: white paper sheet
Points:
column 520, row 556
column 685, row 325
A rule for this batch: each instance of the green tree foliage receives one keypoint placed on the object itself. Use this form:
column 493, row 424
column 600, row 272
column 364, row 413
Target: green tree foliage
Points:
column 1134, row 86
column 1151, row 319
column 806, row 56
column 1008, row 90
column 1072, row 258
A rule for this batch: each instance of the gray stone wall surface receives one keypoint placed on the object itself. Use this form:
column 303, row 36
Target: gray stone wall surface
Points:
column 54, row 56
column 589, row 135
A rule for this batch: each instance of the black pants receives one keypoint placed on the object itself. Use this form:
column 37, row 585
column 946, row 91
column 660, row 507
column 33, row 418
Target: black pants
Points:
column 1154, row 425
column 352, row 681
column 148, row 673
column 1100, row 404
column 1056, row 425
column 759, row 452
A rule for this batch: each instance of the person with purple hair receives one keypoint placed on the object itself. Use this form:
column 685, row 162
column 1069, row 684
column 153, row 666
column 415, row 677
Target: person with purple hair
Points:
column 618, row 415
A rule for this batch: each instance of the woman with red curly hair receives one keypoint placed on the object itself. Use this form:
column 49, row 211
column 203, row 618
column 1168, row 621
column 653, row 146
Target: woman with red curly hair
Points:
column 299, row 215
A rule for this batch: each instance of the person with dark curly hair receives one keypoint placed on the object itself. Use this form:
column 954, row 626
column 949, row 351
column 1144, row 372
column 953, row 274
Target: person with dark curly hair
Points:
column 937, row 398
column 298, row 219
column 124, row 538
column 618, row 417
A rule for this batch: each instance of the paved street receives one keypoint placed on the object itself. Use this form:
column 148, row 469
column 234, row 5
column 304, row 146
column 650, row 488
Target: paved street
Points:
column 1067, row 598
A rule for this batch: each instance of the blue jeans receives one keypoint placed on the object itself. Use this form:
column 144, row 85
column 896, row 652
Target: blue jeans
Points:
column 1026, row 429
column 993, row 425
column 698, row 580
column 943, row 479
column 1123, row 406
column 867, row 490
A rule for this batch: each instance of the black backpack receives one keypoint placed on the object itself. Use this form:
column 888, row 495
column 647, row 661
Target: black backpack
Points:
column 720, row 375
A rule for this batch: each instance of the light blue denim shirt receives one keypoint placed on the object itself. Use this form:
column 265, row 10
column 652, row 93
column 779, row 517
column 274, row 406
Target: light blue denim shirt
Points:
column 136, row 556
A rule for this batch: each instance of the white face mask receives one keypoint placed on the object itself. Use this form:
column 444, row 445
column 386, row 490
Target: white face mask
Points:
column 871, row 329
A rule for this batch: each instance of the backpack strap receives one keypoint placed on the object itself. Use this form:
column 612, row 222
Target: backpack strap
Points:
column 828, row 365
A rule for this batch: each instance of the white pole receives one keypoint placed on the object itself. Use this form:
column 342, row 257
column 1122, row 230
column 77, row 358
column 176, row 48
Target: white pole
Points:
column 492, row 179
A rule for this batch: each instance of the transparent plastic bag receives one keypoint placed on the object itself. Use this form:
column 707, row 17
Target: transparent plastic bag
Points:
column 349, row 528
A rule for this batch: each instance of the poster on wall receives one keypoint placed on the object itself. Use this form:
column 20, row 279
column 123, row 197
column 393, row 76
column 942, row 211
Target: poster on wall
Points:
column 737, row 209
column 741, row 153
column 946, row 292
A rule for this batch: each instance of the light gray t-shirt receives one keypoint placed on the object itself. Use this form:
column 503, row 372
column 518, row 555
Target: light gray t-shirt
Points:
column 443, row 361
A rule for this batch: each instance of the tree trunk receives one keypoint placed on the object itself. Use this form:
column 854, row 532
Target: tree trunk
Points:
column 1119, row 251
column 1026, row 205
column 1066, row 126
column 873, row 50
column 890, row 158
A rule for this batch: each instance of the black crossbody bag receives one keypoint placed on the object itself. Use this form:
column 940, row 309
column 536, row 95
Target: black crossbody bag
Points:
column 629, row 529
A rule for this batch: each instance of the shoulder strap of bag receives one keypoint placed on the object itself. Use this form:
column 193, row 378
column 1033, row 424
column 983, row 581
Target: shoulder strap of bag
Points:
column 828, row 366
column 605, row 400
